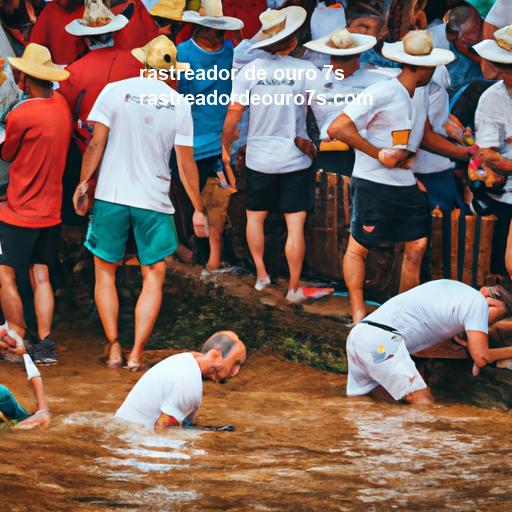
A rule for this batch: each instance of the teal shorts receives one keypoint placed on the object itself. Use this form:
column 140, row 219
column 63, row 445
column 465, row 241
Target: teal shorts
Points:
column 10, row 408
column 109, row 228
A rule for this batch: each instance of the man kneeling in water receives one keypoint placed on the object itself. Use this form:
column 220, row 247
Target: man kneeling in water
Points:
column 11, row 412
column 169, row 394
column 379, row 347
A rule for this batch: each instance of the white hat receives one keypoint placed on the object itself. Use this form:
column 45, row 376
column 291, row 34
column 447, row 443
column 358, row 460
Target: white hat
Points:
column 278, row 25
column 98, row 19
column 361, row 43
column 212, row 16
column 503, row 37
column 489, row 50
column 416, row 49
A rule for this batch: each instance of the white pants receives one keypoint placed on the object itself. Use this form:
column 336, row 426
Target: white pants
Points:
column 378, row 357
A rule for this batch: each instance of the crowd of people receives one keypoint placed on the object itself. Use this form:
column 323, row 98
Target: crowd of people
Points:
column 104, row 104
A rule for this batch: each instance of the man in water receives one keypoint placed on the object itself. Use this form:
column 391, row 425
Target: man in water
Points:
column 379, row 347
column 12, row 413
column 170, row 393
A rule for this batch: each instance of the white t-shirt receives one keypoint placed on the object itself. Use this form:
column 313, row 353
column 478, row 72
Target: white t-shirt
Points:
column 174, row 387
column 501, row 14
column 325, row 20
column 386, row 122
column 434, row 312
column 271, row 86
column 146, row 119
column 493, row 124
column 340, row 93
column 438, row 112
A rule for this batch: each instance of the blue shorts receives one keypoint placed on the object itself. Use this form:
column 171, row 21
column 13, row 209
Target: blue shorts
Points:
column 10, row 408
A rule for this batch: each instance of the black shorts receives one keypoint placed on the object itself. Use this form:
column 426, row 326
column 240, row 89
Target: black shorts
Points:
column 291, row 192
column 21, row 247
column 386, row 213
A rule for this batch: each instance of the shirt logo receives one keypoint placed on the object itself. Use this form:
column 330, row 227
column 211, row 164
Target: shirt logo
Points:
column 401, row 137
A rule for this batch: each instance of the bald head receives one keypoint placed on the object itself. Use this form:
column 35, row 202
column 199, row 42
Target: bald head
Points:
column 231, row 348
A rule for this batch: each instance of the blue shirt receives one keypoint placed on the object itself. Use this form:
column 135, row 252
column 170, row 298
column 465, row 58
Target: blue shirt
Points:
column 208, row 118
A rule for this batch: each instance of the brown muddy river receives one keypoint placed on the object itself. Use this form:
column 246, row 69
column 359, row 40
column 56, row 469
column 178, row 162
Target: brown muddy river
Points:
column 300, row 444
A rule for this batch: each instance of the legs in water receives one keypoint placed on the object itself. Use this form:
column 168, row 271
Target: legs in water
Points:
column 421, row 397
column 256, row 240
column 354, row 273
column 107, row 302
column 147, row 310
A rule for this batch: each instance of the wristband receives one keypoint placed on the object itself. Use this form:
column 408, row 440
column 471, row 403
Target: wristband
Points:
column 30, row 367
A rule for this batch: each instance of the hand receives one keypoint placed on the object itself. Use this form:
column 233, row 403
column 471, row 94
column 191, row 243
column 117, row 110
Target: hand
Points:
column 306, row 146
column 394, row 157
column 462, row 342
column 200, row 223
column 81, row 206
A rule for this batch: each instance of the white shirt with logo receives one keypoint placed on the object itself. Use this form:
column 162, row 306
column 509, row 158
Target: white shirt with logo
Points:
column 146, row 119
column 391, row 112
column 277, row 91
column 434, row 312
column 174, row 387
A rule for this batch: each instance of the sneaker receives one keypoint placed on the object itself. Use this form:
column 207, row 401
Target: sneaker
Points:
column 45, row 352
column 261, row 284
column 302, row 294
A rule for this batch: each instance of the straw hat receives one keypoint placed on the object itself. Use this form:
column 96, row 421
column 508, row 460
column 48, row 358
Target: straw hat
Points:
column 342, row 43
column 36, row 61
column 211, row 15
column 169, row 9
column 278, row 25
column 416, row 49
column 503, row 37
column 98, row 19
column 160, row 53
column 491, row 51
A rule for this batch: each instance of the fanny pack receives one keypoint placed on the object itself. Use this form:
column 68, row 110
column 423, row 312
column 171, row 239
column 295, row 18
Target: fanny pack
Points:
column 380, row 326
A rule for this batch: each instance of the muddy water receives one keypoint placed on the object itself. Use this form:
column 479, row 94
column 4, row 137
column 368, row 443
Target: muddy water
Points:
column 300, row 444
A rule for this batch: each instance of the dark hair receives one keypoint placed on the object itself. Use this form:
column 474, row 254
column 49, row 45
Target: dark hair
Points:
column 281, row 45
column 502, row 293
column 219, row 341
column 43, row 84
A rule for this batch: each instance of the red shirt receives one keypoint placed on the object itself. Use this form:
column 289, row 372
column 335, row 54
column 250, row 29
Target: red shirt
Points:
column 89, row 75
column 37, row 138
column 141, row 29
column 248, row 11
column 49, row 31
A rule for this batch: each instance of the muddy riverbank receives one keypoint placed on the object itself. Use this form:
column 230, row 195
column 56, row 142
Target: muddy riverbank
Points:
column 300, row 444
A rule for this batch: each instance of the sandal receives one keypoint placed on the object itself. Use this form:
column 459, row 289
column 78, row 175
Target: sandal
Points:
column 135, row 366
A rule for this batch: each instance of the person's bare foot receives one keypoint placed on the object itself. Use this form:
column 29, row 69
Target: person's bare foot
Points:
column 40, row 419
column 114, row 355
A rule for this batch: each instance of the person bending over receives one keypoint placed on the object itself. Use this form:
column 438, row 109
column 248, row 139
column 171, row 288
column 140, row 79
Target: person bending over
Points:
column 379, row 347
column 170, row 393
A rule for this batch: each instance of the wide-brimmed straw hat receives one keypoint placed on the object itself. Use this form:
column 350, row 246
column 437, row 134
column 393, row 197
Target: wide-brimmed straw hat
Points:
column 37, row 61
column 503, row 37
column 342, row 43
column 416, row 49
column 169, row 9
column 278, row 25
column 489, row 50
column 211, row 15
column 160, row 53
column 98, row 19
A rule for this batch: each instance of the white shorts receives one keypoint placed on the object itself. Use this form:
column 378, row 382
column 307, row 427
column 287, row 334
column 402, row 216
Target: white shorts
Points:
column 378, row 357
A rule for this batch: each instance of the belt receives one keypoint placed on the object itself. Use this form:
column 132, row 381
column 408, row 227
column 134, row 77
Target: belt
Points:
column 380, row 326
